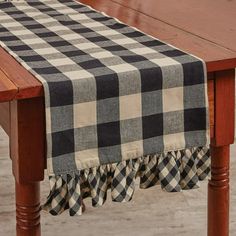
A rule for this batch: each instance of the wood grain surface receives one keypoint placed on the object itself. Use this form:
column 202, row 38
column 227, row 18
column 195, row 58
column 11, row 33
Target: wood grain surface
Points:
column 28, row 86
column 7, row 89
column 219, row 26
column 143, row 14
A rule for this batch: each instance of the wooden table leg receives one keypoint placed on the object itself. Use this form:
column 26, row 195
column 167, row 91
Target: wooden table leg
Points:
column 218, row 187
column 28, row 209
column 27, row 150
column 218, row 192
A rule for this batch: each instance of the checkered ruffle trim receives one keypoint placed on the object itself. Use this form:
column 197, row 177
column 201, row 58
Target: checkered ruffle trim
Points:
column 175, row 171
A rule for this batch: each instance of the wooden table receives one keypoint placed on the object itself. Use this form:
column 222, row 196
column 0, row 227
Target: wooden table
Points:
column 204, row 28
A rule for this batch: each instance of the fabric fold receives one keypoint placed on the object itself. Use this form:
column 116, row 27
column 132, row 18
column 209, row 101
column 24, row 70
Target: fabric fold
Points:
column 174, row 171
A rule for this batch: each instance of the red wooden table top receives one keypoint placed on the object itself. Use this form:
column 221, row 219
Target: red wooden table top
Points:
column 204, row 28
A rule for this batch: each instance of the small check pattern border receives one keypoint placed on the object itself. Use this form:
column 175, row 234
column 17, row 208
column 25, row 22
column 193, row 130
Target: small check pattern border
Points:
column 173, row 171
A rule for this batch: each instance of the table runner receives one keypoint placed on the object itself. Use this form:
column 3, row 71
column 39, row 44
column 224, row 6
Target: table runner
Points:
column 119, row 104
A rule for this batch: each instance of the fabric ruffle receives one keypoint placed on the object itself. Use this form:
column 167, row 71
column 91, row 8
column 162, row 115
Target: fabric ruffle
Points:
column 174, row 171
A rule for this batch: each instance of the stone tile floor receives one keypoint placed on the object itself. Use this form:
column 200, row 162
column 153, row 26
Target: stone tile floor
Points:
column 151, row 212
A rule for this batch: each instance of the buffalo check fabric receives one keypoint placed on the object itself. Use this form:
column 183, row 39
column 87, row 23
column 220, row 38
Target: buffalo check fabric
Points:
column 119, row 104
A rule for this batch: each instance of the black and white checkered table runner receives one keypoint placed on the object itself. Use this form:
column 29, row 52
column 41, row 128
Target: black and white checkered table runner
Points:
column 119, row 103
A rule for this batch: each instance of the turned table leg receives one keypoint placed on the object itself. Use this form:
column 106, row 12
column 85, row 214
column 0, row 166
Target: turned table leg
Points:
column 218, row 187
column 218, row 192
column 27, row 209
column 27, row 151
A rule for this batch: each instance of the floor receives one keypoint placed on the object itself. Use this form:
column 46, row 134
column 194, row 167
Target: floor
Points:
column 151, row 212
